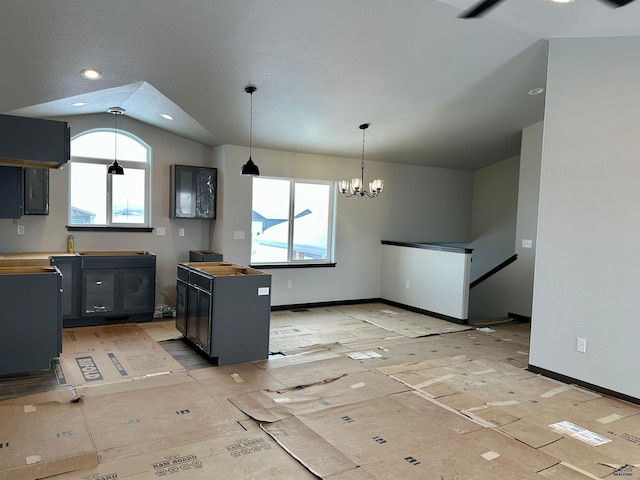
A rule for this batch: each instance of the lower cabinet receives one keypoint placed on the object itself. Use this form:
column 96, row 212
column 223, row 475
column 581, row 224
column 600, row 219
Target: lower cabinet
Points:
column 31, row 330
column 224, row 310
column 107, row 287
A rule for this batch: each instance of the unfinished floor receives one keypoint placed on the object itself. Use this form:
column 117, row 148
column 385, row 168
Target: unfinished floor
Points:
column 352, row 392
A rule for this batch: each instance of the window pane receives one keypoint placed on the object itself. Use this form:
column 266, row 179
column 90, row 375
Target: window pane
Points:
column 128, row 197
column 88, row 185
column 270, row 220
column 310, row 221
column 103, row 145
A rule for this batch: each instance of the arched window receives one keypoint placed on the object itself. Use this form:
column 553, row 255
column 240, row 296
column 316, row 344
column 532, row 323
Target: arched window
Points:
column 102, row 200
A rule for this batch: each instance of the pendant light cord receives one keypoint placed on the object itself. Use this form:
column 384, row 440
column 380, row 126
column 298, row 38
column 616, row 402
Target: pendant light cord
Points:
column 362, row 161
column 251, row 125
column 115, row 136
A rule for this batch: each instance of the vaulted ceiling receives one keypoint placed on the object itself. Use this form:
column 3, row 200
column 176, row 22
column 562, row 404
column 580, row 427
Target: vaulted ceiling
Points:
column 437, row 89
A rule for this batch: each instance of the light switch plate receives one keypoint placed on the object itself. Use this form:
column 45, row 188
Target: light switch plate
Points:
column 160, row 231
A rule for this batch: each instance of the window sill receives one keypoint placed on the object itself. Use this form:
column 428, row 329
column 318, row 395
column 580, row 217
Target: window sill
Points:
column 78, row 228
column 266, row 266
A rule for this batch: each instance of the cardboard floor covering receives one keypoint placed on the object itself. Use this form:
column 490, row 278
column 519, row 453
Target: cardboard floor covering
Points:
column 112, row 353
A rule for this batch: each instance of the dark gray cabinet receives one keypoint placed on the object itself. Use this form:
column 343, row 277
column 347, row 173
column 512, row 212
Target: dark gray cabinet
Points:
column 23, row 191
column 69, row 266
column 36, row 191
column 11, row 192
column 224, row 310
column 105, row 287
column 193, row 192
column 99, row 294
column 34, row 142
column 31, row 330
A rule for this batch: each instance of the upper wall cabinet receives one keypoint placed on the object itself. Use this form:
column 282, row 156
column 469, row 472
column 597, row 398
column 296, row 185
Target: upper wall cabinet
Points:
column 33, row 142
column 193, row 192
column 23, row 191
column 11, row 192
column 36, row 191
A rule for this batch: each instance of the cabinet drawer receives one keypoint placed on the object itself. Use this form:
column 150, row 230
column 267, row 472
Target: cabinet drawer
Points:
column 99, row 292
column 183, row 273
column 117, row 261
column 203, row 281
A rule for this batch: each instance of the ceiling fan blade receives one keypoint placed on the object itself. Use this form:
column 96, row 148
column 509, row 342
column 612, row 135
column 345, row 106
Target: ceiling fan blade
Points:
column 479, row 9
column 618, row 3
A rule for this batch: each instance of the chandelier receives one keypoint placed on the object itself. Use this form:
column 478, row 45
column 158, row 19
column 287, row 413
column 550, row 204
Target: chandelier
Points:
column 355, row 187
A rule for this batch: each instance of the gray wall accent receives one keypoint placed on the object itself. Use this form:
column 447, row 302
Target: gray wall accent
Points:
column 511, row 290
column 493, row 226
column 417, row 204
column 587, row 272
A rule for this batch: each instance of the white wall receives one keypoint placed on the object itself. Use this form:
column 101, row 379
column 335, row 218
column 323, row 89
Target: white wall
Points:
column 417, row 204
column 49, row 233
column 587, row 269
column 432, row 280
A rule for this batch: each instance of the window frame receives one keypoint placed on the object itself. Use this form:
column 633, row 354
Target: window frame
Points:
column 331, row 223
column 126, row 164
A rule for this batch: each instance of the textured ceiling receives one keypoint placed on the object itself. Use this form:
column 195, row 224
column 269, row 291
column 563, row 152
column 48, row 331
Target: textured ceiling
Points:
column 437, row 90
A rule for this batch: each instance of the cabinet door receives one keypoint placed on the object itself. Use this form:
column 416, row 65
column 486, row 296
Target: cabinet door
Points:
column 206, row 185
column 137, row 289
column 36, row 191
column 99, row 292
column 203, row 322
column 193, row 192
column 68, row 268
column 181, row 307
column 11, row 188
column 192, row 313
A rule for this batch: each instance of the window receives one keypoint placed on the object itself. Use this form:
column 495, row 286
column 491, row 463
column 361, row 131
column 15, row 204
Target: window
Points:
column 292, row 221
column 102, row 200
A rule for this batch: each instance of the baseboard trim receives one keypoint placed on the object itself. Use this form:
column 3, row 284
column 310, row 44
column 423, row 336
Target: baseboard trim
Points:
column 517, row 316
column 570, row 380
column 302, row 306
column 459, row 321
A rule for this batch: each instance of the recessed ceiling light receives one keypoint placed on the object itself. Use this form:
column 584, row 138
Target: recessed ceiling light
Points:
column 91, row 73
column 166, row 116
column 78, row 104
column 536, row 91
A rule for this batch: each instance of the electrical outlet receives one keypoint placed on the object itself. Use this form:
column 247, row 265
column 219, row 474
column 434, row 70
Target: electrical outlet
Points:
column 20, row 229
column 238, row 235
column 581, row 345
column 407, row 285
column 527, row 243
column 181, row 232
column 160, row 231
column 289, row 284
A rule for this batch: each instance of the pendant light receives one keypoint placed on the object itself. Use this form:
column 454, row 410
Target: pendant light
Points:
column 115, row 168
column 355, row 187
column 250, row 168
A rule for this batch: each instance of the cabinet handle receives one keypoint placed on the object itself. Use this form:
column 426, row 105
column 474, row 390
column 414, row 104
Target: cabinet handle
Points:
column 99, row 308
column 99, row 282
